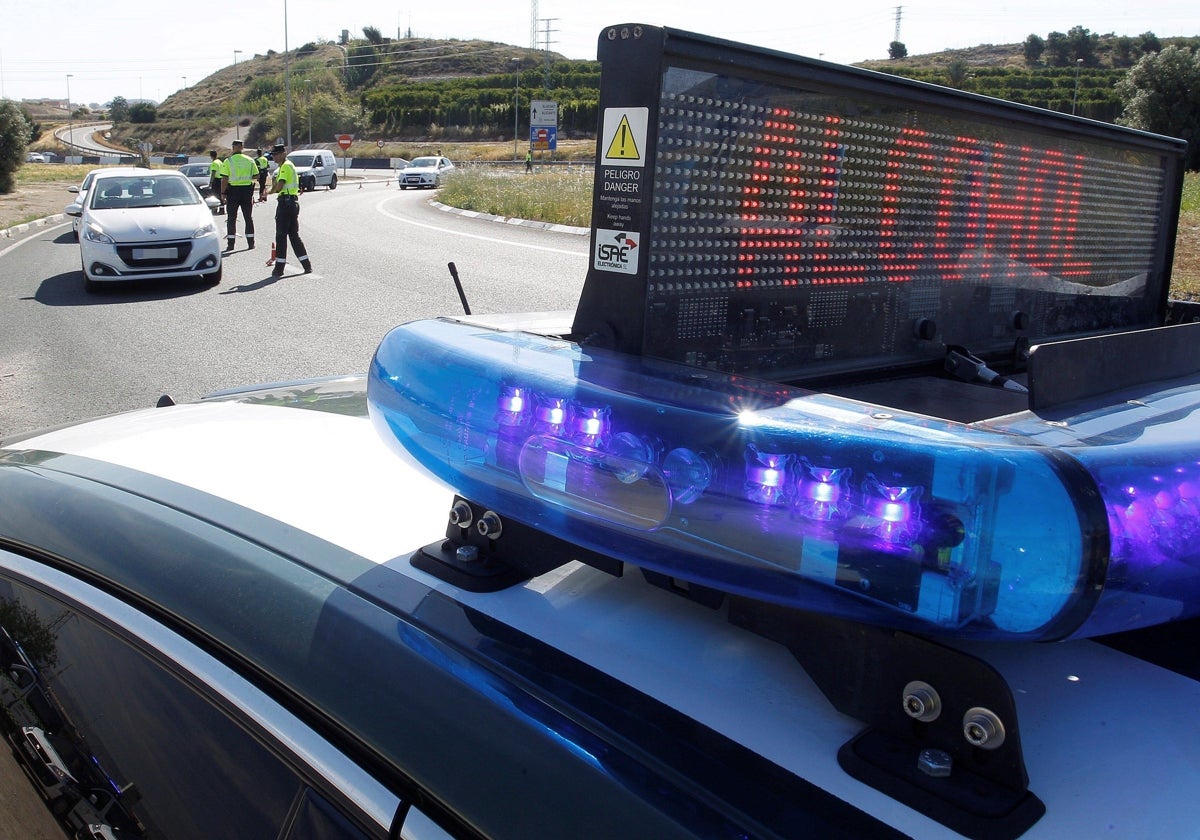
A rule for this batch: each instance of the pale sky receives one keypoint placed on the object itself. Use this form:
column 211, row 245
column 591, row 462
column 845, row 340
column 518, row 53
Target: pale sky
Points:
column 146, row 50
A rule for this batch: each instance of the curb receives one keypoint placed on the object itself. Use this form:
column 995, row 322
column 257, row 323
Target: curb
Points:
column 17, row 230
column 508, row 220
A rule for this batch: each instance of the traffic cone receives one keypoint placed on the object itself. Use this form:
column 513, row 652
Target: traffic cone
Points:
column 271, row 259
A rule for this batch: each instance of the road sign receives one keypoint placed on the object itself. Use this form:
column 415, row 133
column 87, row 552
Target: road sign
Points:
column 543, row 137
column 380, row 144
column 344, row 140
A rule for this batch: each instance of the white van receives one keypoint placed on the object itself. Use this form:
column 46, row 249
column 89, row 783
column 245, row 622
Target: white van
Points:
column 315, row 167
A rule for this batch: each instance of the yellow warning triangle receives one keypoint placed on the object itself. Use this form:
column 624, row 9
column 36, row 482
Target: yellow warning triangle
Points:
column 623, row 145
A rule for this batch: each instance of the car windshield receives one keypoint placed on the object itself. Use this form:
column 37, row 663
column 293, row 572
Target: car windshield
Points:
column 125, row 193
column 430, row 162
column 301, row 160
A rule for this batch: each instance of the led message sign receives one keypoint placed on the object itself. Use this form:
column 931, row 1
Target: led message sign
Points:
column 762, row 213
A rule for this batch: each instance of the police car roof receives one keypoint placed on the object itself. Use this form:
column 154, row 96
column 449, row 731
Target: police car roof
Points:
column 262, row 517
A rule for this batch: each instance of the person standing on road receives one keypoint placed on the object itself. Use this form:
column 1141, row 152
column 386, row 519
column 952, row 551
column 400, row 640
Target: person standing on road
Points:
column 241, row 174
column 214, row 178
column 528, row 160
column 287, row 213
column 264, row 170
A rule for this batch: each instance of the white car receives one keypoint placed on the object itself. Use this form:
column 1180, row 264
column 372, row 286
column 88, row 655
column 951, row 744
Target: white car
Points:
column 35, row 157
column 425, row 172
column 146, row 224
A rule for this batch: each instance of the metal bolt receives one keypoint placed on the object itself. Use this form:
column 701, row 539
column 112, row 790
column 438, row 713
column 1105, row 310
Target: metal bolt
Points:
column 921, row 701
column 935, row 763
column 461, row 515
column 467, row 553
column 982, row 728
column 489, row 525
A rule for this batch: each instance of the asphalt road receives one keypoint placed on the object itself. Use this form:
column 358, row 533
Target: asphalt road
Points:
column 380, row 257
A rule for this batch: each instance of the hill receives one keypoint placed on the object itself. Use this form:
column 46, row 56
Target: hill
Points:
column 419, row 90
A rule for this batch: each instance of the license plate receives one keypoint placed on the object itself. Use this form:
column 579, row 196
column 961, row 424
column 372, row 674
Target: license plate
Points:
column 156, row 253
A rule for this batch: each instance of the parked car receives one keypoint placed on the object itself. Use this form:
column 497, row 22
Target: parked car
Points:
column 35, row 157
column 315, row 168
column 198, row 174
column 146, row 224
column 42, row 762
column 425, row 172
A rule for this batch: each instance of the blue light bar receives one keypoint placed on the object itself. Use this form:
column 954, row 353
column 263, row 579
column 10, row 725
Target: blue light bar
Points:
column 1027, row 531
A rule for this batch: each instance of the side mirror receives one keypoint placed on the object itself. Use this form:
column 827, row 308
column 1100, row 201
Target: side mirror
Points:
column 73, row 210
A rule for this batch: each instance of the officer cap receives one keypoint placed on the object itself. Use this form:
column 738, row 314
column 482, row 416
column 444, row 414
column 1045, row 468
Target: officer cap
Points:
column 277, row 148
column 237, row 142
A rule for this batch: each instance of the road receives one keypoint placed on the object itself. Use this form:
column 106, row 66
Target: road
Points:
column 380, row 257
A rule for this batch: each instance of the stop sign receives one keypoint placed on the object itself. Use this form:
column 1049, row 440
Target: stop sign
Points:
column 344, row 140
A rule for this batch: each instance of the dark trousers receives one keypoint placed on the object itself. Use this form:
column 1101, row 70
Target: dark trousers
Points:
column 240, row 198
column 287, row 226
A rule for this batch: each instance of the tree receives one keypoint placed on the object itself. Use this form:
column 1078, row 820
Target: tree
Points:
column 372, row 34
column 118, row 110
column 1035, row 45
column 1059, row 48
column 1083, row 45
column 897, row 50
column 28, row 629
column 1161, row 93
column 1148, row 42
column 361, row 64
column 143, row 112
column 15, row 134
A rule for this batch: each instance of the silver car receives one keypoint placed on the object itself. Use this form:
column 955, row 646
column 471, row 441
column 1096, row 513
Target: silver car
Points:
column 146, row 224
column 425, row 172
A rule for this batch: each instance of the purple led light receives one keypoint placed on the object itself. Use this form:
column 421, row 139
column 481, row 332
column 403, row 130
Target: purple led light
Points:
column 512, row 406
column 766, row 476
column 549, row 414
column 893, row 511
column 589, row 425
column 823, row 493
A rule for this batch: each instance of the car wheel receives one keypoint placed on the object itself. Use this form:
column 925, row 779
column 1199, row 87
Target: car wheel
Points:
column 333, row 183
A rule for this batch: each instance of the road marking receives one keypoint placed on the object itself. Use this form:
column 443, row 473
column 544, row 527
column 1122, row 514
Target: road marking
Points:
column 21, row 242
column 380, row 209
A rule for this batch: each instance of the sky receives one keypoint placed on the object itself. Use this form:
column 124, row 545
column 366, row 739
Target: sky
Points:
column 93, row 50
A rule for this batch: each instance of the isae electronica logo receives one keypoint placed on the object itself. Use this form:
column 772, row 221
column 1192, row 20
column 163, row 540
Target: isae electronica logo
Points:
column 616, row 250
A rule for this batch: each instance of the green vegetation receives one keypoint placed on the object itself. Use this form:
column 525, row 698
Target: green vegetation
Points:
column 557, row 195
column 15, row 132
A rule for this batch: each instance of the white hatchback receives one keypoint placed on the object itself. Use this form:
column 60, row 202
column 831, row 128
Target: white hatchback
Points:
column 148, row 224
column 425, row 172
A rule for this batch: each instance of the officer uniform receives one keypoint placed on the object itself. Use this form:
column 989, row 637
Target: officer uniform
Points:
column 264, row 169
column 241, row 173
column 214, row 178
column 287, row 213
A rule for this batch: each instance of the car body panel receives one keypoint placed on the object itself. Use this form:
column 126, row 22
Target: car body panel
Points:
column 1077, row 700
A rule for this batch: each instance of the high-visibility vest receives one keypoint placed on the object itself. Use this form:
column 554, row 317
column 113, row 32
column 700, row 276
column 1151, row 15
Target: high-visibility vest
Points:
column 291, row 181
column 242, row 170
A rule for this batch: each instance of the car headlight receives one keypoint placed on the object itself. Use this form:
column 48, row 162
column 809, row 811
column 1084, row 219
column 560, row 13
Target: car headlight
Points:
column 93, row 233
column 204, row 230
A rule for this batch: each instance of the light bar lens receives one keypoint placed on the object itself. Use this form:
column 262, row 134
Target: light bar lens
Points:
column 784, row 495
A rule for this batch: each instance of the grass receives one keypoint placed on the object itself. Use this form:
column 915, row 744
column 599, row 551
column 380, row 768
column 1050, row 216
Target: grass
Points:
column 558, row 195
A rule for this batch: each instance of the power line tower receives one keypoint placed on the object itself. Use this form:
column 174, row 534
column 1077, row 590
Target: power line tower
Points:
column 895, row 38
column 533, row 24
column 546, row 42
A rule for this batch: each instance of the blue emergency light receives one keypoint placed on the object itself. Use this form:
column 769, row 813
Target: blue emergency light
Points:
column 1017, row 531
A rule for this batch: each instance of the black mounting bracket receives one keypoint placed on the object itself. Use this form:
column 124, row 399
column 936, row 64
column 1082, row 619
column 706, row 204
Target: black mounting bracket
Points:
column 484, row 552
column 942, row 733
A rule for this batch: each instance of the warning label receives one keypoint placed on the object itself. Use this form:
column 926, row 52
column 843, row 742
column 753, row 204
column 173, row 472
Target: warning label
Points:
column 616, row 250
column 624, row 137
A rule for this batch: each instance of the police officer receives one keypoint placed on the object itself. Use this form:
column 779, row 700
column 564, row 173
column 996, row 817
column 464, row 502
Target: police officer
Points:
column 264, row 170
column 287, row 213
column 241, row 172
column 214, row 178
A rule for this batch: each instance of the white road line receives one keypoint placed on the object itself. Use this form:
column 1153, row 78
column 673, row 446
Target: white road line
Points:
column 380, row 208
